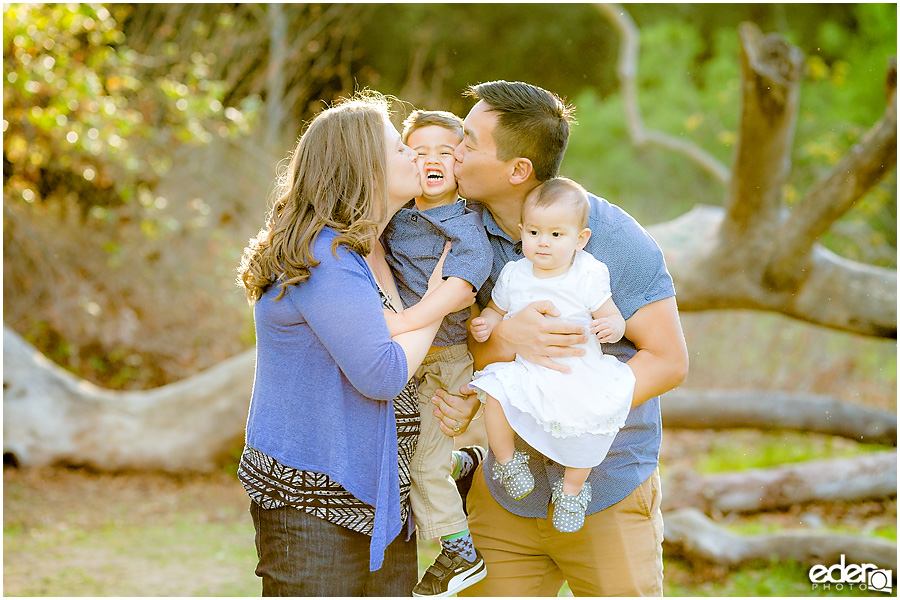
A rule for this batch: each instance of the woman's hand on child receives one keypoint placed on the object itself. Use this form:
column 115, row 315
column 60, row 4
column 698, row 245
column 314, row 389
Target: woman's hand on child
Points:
column 480, row 328
column 608, row 329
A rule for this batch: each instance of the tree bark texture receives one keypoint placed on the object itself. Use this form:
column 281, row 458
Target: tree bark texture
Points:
column 50, row 416
column 853, row 479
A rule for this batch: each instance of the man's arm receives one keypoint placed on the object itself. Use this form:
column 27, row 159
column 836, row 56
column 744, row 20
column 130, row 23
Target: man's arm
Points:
column 661, row 362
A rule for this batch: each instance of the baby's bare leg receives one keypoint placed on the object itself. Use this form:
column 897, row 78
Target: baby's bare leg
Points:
column 500, row 435
column 574, row 480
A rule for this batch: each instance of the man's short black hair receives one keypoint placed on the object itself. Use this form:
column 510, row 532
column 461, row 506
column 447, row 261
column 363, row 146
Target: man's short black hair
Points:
column 533, row 123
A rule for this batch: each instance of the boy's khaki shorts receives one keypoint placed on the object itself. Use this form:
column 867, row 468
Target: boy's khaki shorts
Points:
column 435, row 500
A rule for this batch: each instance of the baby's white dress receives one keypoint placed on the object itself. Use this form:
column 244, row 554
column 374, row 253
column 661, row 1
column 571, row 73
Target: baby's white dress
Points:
column 571, row 418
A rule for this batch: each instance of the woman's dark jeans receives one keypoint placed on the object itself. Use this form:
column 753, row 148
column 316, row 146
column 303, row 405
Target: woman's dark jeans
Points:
column 303, row 555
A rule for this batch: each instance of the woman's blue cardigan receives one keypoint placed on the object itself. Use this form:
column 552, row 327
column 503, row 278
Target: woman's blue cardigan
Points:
column 327, row 373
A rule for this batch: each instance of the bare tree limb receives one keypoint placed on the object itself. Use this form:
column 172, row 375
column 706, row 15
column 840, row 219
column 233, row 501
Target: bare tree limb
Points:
column 689, row 532
column 852, row 479
column 771, row 71
column 720, row 259
column 870, row 159
column 777, row 410
column 627, row 71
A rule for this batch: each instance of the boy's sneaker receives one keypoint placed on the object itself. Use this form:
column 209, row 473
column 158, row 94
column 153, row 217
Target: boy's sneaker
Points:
column 464, row 483
column 515, row 475
column 450, row 574
column 568, row 511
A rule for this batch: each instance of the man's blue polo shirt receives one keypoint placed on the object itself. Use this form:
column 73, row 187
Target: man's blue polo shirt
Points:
column 414, row 241
column 638, row 276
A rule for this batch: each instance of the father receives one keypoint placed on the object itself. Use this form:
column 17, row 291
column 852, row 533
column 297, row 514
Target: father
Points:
column 515, row 137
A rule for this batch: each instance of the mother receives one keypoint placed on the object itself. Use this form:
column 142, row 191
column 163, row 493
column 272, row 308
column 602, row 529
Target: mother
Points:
column 333, row 418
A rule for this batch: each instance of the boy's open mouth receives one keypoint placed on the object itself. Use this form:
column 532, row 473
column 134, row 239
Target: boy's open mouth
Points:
column 434, row 176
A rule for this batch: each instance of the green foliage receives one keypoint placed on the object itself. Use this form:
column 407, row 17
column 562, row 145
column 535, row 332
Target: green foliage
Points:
column 86, row 115
column 844, row 95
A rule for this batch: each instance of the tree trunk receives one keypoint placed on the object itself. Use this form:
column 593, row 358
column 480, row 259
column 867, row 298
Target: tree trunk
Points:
column 50, row 416
column 864, row 477
column 275, row 75
column 689, row 532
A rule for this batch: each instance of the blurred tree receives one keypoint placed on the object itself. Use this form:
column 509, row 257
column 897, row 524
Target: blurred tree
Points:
column 698, row 78
column 727, row 258
column 86, row 116
column 428, row 53
column 299, row 53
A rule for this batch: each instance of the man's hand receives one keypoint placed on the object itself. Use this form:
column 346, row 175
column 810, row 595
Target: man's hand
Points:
column 455, row 412
column 534, row 337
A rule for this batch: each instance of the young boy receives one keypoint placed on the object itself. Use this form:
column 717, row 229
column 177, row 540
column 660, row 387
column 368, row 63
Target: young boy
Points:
column 414, row 241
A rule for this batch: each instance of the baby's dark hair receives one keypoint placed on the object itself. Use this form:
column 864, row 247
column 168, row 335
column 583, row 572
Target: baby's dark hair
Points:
column 424, row 118
column 560, row 189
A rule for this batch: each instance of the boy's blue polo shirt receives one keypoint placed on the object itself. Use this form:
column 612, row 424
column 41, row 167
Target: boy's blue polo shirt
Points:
column 638, row 276
column 414, row 241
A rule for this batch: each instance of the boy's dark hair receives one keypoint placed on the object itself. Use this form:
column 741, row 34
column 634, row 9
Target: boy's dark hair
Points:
column 424, row 118
column 561, row 189
column 533, row 123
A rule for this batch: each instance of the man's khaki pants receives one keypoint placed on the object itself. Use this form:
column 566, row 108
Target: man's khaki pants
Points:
column 618, row 552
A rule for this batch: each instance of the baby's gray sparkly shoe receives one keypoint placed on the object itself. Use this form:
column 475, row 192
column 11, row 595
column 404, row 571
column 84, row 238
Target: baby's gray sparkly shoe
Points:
column 515, row 475
column 568, row 511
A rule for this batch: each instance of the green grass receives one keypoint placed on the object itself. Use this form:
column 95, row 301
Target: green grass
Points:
column 758, row 450
column 756, row 579
column 749, row 527
column 185, row 555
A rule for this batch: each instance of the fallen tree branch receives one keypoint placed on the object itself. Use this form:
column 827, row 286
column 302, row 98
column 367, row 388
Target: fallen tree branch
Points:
column 857, row 478
column 768, row 409
column 52, row 417
column 690, row 533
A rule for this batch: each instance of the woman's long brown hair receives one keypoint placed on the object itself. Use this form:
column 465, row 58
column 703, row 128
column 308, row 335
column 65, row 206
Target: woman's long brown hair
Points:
column 336, row 178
